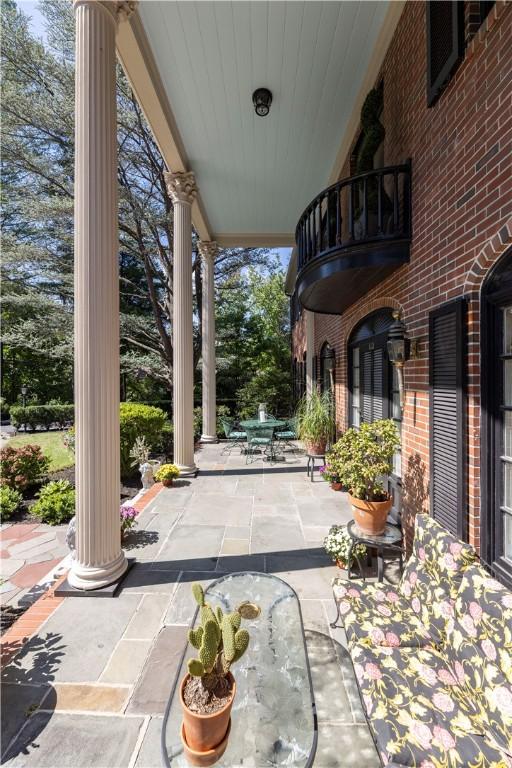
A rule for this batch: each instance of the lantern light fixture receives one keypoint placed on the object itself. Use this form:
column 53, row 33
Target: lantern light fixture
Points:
column 262, row 99
column 399, row 351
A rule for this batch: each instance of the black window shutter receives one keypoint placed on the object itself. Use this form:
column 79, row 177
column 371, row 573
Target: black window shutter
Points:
column 447, row 379
column 445, row 43
column 366, row 373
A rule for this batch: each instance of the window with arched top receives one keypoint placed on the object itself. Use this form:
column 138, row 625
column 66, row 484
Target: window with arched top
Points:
column 496, row 386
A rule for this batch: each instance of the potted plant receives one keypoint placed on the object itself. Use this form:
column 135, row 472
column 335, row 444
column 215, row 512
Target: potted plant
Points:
column 365, row 457
column 128, row 517
column 147, row 467
column 166, row 474
column 208, row 690
column 337, row 545
column 315, row 423
column 331, row 472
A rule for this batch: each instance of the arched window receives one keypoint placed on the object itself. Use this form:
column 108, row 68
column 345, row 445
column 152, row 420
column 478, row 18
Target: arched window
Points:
column 496, row 385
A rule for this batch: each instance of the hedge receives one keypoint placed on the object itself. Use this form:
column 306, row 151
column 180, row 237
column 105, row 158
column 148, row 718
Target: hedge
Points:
column 34, row 416
column 137, row 420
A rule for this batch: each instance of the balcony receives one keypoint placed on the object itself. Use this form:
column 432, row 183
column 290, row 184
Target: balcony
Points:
column 351, row 236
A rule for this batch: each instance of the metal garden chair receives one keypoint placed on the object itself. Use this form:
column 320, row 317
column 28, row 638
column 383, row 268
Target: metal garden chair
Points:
column 234, row 434
column 286, row 434
column 260, row 439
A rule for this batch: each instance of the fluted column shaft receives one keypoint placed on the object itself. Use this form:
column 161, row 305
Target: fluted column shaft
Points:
column 182, row 190
column 99, row 558
column 208, row 251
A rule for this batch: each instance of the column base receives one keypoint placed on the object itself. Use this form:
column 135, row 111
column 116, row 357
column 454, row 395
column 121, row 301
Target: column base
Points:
column 209, row 439
column 86, row 577
column 67, row 590
column 187, row 471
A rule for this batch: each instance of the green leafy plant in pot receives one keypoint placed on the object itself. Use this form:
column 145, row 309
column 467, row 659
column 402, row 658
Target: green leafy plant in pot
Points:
column 315, row 421
column 208, row 690
column 365, row 458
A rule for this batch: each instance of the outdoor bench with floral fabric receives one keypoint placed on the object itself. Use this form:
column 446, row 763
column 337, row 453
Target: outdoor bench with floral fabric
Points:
column 433, row 657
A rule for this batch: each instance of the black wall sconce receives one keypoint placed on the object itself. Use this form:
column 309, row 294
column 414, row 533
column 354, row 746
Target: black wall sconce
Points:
column 262, row 99
column 399, row 351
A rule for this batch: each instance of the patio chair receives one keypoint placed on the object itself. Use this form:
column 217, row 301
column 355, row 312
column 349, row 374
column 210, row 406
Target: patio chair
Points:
column 234, row 434
column 285, row 435
column 260, row 439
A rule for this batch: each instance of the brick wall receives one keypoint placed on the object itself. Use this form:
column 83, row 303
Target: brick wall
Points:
column 461, row 151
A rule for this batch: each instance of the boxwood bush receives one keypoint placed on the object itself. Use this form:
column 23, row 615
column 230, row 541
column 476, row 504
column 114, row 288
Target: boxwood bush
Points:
column 56, row 503
column 137, row 420
column 10, row 500
column 22, row 467
column 34, row 416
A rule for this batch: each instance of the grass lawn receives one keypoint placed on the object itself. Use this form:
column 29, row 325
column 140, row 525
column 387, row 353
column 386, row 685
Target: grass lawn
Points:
column 51, row 445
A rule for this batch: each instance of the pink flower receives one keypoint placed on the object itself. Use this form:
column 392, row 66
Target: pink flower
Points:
column 489, row 649
column 384, row 610
column 354, row 592
column 443, row 702
column 459, row 671
column 446, row 609
column 507, row 601
column 421, row 553
column 426, row 764
column 416, row 605
column 503, row 698
column 341, row 591
column 468, row 625
column 443, row 737
column 413, row 578
column 368, row 703
column 446, row 677
column 422, row 733
column 379, row 595
column 455, row 548
column 392, row 597
column 428, row 674
column 392, row 639
column 344, row 607
column 449, row 562
column 475, row 611
column 376, row 636
column 372, row 671
column 406, row 588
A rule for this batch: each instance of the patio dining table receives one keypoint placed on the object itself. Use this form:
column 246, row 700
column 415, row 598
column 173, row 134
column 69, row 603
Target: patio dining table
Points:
column 251, row 423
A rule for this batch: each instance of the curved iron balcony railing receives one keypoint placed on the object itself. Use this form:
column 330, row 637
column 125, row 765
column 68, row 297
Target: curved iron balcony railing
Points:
column 361, row 223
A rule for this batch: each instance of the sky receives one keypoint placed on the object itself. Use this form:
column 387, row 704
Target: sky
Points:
column 37, row 25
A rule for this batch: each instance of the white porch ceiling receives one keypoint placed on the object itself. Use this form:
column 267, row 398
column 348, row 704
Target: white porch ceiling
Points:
column 255, row 175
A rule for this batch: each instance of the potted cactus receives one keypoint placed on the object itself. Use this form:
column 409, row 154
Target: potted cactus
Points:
column 208, row 690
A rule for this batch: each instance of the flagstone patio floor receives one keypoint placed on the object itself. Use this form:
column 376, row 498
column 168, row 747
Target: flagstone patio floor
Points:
column 90, row 688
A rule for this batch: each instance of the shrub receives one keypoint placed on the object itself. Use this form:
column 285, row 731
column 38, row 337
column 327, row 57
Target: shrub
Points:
column 165, row 443
column 22, row 467
column 222, row 412
column 138, row 420
column 69, row 439
column 10, row 499
column 56, row 503
column 34, row 416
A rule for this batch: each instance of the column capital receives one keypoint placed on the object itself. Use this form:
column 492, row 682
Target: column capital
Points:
column 181, row 186
column 208, row 250
column 119, row 10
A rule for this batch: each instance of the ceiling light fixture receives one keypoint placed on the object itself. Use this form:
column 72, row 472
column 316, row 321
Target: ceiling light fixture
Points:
column 262, row 99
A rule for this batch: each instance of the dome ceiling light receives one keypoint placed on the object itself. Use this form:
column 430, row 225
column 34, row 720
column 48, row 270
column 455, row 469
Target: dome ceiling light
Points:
column 262, row 99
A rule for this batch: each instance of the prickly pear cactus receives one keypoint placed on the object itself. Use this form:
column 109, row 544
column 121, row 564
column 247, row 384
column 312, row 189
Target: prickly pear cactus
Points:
column 219, row 640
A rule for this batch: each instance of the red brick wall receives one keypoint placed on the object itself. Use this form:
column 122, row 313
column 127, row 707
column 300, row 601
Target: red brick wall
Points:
column 461, row 151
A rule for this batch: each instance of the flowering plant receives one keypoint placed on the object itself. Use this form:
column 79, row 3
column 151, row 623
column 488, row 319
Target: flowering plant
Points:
column 69, row 439
column 331, row 471
column 128, row 515
column 337, row 544
column 140, row 451
column 167, row 472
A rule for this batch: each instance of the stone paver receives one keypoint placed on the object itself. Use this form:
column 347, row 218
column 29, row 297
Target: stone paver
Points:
column 106, row 666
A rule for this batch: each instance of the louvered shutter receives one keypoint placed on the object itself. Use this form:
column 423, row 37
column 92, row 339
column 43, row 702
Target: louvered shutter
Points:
column 445, row 43
column 447, row 345
column 367, row 385
column 378, row 384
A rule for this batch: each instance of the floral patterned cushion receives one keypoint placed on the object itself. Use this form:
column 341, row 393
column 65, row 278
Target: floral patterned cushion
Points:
column 433, row 574
column 419, row 711
column 480, row 640
column 376, row 615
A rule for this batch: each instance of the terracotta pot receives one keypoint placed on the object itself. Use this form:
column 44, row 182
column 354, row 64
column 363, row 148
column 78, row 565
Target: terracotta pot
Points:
column 206, row 733
column 341, row 564
column 168, row 482
column 317, row 448
column 336, row 486
column 208, row 757
column 370, row 516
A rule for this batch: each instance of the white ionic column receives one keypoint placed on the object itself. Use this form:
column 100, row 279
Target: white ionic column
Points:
column 208, row 251
column 99, row 559
column 182, row 190
column 310, row 347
